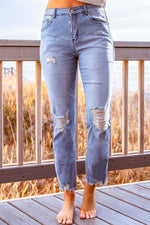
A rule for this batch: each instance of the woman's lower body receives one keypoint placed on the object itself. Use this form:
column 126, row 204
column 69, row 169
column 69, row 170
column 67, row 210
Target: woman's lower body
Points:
column 69, row 34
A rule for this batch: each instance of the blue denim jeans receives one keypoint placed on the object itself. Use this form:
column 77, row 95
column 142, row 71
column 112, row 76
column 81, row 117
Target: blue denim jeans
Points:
column 69, row 34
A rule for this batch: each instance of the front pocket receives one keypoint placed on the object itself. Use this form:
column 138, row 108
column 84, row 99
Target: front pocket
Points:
column 48, row 19
column 97, row 16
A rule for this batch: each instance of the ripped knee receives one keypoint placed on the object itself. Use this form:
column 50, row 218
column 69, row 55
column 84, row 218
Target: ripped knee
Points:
column 101, row 118
column 62, row 121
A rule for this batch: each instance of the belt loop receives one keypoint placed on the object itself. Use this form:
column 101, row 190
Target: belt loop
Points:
column 85, row 9
column 54, row 13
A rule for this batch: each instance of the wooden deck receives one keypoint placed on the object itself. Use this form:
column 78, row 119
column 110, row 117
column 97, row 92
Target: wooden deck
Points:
column 117, row 204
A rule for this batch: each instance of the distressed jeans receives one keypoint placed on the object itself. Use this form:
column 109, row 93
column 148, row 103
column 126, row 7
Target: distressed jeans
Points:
column 68, row 35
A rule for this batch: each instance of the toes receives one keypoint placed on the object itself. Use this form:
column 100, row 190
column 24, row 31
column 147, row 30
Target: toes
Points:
column 87, row 215
column 69, row 220
column 64, row 221
column 59, row 219
column 82, row 215
column 91, row 214
column 94, row 213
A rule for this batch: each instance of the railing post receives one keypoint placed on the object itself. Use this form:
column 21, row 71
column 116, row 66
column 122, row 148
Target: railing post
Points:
column 11, row 69
column 125, row 108
column 19, row 102
column 110, row 142
column 38, row 112
column 1, row 117
column 141, row 107
column 5, row 72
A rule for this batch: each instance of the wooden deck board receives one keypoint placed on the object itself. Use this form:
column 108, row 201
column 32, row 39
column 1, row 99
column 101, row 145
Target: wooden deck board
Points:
column 126, row 196
column 138, row 190
column 35, row 210
column 116, row 204
column 2, row 222
column 13, row 216
column 146, row 185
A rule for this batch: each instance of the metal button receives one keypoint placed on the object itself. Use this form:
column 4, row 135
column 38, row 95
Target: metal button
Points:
column 71, row 10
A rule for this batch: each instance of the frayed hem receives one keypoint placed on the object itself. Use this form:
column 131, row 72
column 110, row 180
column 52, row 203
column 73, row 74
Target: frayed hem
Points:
column 66, row 188
column 97, row 184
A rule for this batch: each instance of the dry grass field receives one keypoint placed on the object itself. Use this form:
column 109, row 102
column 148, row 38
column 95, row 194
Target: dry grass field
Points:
column 45, row 186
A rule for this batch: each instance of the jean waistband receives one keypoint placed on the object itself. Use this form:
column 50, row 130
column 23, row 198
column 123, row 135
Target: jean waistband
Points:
column 71, row 10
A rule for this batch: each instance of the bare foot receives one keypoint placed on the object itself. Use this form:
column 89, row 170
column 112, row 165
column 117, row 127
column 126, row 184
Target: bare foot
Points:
column 65, row 216
column 88, row 208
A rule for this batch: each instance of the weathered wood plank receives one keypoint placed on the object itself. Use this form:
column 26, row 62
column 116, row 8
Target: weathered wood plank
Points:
column 38, row 112
column 47, row 170
column 32, row 53
column 138, row 190
column 19, row 53
column 127, row 196
column 125, row 108
column 13, row 216
column 141, row 107
column 104, row 213
column 26, row 43
column 110, row 141
column 145, row 184
column 132, row 54
column 127, row 209
column 129, row 44
column 2, row 222
column 128, row 161
column 19, row 102
column 35, row 210
column 28, row 50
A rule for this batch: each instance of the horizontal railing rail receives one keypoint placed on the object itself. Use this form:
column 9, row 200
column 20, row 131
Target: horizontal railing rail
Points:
column 28, row 50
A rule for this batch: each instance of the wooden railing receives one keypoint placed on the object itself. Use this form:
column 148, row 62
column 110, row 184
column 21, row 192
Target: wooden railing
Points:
column 19, row 51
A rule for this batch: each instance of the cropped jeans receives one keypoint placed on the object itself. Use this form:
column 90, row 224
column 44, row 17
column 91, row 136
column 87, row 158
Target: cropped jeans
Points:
column 68, row 35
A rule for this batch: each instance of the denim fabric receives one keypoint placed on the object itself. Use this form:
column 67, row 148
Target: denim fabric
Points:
column 69, row 34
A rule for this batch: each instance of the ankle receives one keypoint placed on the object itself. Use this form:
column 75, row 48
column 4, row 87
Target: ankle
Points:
column 69, row 193
column 69, row 196
column 89, row 187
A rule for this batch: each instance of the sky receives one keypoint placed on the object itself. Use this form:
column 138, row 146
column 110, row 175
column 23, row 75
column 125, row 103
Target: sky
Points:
column 129, row 20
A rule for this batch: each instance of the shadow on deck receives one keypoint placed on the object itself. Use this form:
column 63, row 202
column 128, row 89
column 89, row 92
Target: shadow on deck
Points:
column 117, row 204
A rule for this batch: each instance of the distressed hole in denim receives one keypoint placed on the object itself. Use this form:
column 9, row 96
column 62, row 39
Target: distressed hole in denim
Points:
column 100, row 118
column 62, row 121
column 50, row 59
